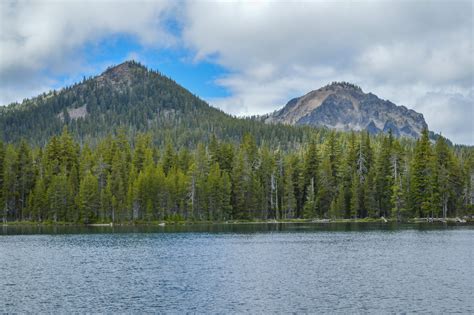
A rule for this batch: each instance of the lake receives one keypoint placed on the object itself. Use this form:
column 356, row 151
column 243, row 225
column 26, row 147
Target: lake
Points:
column 245, row 268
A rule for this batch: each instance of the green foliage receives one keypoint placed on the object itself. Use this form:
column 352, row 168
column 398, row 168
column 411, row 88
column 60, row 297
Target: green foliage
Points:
column 421, row 172
column 88, row 199
column 340, row 175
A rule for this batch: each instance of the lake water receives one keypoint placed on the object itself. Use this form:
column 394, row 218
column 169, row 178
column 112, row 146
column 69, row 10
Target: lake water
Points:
column 254, row 268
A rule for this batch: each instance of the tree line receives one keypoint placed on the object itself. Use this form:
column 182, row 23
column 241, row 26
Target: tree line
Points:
column 332, row 175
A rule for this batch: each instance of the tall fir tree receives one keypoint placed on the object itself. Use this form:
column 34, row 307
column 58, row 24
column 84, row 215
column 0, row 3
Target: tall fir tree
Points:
column 421, row 172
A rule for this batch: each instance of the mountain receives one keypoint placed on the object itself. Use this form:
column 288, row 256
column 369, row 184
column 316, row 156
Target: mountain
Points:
column 344, row 106
column 133, row 98
column 127, row 96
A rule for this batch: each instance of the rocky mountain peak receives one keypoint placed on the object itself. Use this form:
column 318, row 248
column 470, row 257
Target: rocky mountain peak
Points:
column 338, row 86
column 122, row 73
column 344, row 106
column 125, row 66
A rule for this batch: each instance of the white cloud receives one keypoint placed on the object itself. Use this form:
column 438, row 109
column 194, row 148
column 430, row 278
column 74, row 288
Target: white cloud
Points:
column 414, row 53
column 41, row 38
column 403, row 51
column 451, row 113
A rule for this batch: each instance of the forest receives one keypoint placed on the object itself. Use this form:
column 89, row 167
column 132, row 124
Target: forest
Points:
column 330, row 175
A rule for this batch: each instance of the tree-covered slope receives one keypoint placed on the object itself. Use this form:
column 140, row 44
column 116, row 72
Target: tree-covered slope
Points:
column 132, row 98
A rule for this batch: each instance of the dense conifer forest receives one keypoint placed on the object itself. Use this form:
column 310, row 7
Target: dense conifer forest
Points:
column 332, row 175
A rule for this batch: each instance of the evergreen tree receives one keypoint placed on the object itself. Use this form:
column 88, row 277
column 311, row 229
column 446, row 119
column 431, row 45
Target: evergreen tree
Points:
column 219, row 194
column 326, row 187
column 2, row 181
column 311, row 169
column 10, row 191
column 310, row 205
column 338, row 206
column 383, row 177
column 440, row 179
column 239, row 177
column 60, row 199
column 25, row 179
column 88, row 199
column 288, row 200
column 397, row 200
column 421, row 172
column 38, row 202
column 355, row 196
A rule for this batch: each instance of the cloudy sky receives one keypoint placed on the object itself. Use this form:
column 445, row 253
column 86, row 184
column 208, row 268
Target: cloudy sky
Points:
column 252, row 57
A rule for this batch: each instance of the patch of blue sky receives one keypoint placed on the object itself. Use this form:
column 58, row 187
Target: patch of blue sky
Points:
column 199, row 77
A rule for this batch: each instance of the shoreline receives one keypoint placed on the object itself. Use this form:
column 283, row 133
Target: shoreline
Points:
column 241, row 222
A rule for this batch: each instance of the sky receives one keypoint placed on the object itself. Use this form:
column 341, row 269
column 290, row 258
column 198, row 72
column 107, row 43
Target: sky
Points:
column 251, row 57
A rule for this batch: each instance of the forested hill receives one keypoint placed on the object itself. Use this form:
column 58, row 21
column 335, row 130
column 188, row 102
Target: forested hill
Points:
column 133, row 98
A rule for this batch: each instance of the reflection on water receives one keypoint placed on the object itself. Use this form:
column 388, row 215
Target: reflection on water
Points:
column 227, row 228
column 245, row 268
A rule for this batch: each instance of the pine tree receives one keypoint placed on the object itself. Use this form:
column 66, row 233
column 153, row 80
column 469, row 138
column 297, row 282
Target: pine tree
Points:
column 38, row 202
column 168, row 159
column 370, row 204
column 352, row 162
column 326, row 184
column 10, row 184
column 226, row 188
column 240, row 177
column 355, row 196
column 397, row 200
column 440, row 179
column 214, row 150
column 266, row 177
column 309, row 210
column 383, row 177
column 297, row 176
column 60, row 199
column 421, row 172
column 25, row 177
column 311, row 169
column 143, row 152
column 397, row 190
column 288, row 199
column 216, row 193
column 107, row 209
column 455, row 187
column 2, row 181
column 338, row 207
column 88, row 199
column 53, row 156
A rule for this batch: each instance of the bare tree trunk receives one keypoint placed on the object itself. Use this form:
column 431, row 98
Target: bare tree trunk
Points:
column 193, row 194
column 445, row 207
column 277, row 211
column 5, row 213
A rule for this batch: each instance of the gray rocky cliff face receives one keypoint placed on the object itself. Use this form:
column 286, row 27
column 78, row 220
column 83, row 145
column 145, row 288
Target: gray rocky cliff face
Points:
column 344, row 106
